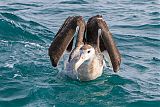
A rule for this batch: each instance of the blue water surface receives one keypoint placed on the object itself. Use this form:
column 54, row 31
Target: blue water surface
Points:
column 27, row 78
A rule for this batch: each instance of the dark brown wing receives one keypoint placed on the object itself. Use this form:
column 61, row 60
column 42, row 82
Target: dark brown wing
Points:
column 105, row 41
column 64, row 38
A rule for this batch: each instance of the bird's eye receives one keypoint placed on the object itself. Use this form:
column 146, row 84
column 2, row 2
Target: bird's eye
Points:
column 88, row 51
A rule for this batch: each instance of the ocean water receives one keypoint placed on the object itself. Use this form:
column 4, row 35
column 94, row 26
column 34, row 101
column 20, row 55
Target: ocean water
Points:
column 27, row 78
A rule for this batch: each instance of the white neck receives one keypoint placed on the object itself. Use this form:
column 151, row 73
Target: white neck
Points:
column 80, row 62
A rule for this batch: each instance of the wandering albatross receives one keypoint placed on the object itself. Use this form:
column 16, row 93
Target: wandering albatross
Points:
column 86, row 60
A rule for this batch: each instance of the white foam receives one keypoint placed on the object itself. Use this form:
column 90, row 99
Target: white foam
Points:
column 27, row 44
column 9, row 65
column 16, row 75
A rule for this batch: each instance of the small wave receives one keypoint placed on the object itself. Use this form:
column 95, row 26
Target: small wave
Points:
column 139, row 67
column 155, row 13
column 151, row 39
column 118, row 80
column 136, row 38
column 156, row 19
column 16, row 18
column 140, row 27
column 74, row 2
column 12, row 17
column 15, row 28
column 143, row 2
column 26, row 4
column 11, row 95
column 11, row 9
column 127, row 56
column 119, row 91
column 12, row 31
column 144, row 103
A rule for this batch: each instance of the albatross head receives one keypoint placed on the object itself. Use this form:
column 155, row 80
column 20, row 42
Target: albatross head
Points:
column 87, row 52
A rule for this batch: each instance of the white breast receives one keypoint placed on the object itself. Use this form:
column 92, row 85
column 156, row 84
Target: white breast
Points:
column 89, row 70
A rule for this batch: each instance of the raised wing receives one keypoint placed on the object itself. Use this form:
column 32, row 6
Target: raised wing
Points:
column 64, row 38
column 103, row 41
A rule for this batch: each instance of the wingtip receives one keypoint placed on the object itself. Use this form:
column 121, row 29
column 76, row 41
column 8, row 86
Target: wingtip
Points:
column 54, row 64
column 116, row 71
column 53, row 61
column 116, row 66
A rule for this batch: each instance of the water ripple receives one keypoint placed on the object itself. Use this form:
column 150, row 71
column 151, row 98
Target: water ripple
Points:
column 21, row 29
column 140, row 27
column 74, row 2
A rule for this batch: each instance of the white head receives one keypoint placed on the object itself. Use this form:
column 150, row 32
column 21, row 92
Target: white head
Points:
column 87, row 52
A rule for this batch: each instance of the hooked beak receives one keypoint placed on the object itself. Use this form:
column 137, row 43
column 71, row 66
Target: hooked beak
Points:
column 80, row 61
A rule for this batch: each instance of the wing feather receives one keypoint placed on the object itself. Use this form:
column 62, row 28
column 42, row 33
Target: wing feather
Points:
column 103, row 41
column 64, row 38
